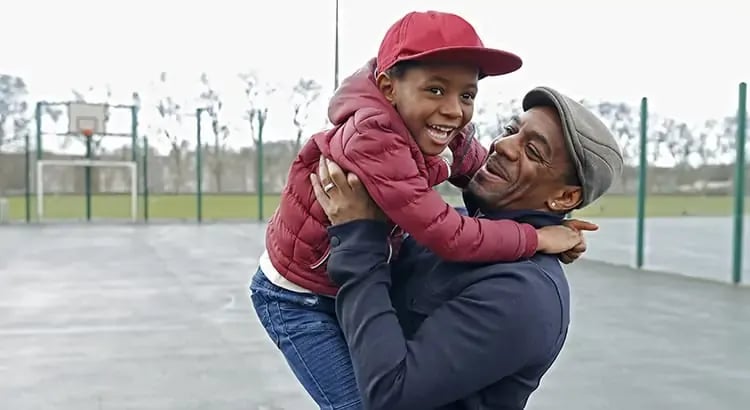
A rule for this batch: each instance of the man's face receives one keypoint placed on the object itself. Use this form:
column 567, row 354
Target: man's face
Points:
column 435, row 101
column 528, row 166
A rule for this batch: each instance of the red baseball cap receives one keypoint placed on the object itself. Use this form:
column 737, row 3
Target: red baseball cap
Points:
column 438, row 36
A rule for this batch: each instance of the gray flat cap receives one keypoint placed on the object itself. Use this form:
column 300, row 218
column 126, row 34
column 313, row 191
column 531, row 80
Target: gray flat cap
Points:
column 593, row 149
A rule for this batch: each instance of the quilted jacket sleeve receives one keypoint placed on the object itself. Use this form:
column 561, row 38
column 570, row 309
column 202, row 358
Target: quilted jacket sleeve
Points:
column 468, row 156
column 383, row 161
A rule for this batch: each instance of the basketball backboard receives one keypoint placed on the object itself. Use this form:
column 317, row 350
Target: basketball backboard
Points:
column 87, row 117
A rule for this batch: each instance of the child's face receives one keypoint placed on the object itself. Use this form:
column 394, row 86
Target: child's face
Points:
column 435, row 101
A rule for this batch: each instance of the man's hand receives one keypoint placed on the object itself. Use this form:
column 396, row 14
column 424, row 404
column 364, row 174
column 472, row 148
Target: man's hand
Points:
column 563, row 238
column 342, row 197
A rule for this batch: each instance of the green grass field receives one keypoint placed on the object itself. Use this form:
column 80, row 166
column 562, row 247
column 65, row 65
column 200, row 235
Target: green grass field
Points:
column 184, row 207
column 239, row 207
column 621, row 206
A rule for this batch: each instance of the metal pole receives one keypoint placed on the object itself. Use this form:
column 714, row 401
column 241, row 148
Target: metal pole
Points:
column 38, row 124
column 642, row 183
column 739, row 186
column 38, row 120
column 134, row 132
column 27, row 164
column 261, row 123
column 145, row 178
column 336, row 52
column 87, row 177
column 39, row 190
column 134, row 191
column 134, row 143
column 199, row 166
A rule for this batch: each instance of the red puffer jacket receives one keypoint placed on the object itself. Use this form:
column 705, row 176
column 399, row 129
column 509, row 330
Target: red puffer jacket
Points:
column 370, row 139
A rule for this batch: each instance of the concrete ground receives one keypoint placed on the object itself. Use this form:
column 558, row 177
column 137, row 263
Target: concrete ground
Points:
column 691, row 246
column 157, row 317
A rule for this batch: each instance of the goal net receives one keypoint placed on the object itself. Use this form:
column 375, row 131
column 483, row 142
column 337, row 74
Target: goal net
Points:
column 43, row 165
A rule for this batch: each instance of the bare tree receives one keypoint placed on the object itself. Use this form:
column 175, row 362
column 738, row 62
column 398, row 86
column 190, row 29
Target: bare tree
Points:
column 304, row 94
column 256, row 111
column 170, row 122
column 492, row 117
column 14, row 107
column 213, row 104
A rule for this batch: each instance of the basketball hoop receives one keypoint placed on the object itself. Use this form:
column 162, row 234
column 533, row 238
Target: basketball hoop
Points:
column 87, row 119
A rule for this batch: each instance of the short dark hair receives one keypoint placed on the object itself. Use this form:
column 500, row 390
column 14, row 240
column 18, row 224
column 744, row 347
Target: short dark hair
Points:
column 399, row 70
column 571, row 176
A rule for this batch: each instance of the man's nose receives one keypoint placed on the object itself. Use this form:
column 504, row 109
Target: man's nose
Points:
column 507, row 147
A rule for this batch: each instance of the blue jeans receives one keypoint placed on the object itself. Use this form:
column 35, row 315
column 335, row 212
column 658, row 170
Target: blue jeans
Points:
column 304, row 327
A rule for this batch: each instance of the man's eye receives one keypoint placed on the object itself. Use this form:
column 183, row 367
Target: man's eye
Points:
column 509, row 130
column 533, row 152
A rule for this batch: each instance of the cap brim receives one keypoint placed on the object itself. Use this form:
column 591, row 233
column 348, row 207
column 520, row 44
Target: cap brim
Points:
column 490, row 61
column 546, row 97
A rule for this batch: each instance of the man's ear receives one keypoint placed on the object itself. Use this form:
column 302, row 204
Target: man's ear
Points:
column 565, row 199
column 386, row 86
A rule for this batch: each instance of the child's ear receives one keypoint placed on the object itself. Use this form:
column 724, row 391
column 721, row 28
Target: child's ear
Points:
column 386, row 86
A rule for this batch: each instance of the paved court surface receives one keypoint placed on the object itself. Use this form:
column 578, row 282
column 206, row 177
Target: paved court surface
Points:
column 125, row 317
column 692, row 246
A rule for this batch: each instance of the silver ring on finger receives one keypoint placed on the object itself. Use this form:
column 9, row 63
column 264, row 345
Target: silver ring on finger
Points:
column 329, row 186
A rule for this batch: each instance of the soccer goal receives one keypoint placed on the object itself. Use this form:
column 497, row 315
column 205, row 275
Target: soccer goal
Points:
column 86, row 121
column 41, row 165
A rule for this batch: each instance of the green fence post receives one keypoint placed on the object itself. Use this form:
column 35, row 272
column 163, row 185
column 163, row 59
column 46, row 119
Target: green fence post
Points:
column 739, row 186
column 261, row 124
column 134, row 140
column 38, row 120
column 145, row 178
column 38, row 124
column 199, row 165
column 27, row 165
column 336, row 52
column 642, row 184
column 87, row 181
column 134, row 131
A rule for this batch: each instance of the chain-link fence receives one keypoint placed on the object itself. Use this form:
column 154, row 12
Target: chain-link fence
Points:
column 687, row 223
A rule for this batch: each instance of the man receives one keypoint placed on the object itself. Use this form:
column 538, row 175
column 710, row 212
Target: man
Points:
column 426, row 334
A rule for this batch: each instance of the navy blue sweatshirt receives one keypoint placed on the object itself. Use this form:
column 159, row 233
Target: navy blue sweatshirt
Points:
column 429, row 334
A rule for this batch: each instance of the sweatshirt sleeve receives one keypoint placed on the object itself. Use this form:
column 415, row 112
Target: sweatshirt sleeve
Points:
column 468, row 156
column 384, row 163
column 485, row 333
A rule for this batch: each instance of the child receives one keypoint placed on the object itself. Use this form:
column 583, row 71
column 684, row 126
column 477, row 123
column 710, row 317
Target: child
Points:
column 391, row 120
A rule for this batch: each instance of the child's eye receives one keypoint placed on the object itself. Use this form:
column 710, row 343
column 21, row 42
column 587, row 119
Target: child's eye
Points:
column 509, row 130
column 435, row 90
column 469, row 96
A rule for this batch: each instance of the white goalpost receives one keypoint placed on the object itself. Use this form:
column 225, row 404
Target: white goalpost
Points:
column 131, row 166
column 86, row 120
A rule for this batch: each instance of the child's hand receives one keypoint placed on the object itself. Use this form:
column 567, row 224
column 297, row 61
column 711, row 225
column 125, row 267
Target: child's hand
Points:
column 580, row 225
column 571, row 255
column 577, row 251
column 561, row 238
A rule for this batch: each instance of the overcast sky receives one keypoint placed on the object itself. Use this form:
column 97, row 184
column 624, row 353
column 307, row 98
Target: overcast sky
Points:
column 687, row 59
